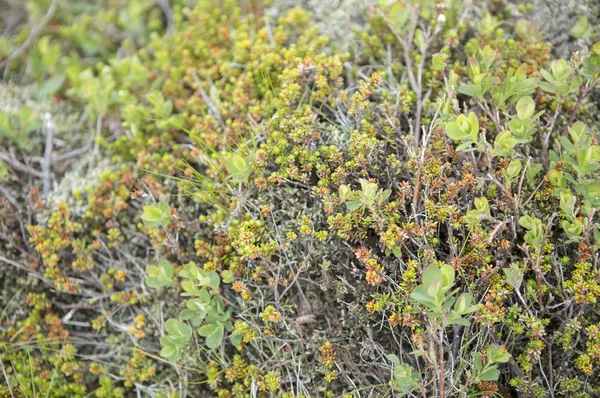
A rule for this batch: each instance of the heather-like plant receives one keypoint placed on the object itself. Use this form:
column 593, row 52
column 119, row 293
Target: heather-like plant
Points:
column 235, row 205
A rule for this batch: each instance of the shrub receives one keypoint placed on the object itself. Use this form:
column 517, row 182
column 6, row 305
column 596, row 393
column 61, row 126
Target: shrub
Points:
column 276, row 216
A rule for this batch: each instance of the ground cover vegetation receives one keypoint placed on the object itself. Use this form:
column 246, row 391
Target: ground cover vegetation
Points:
column 238, row 199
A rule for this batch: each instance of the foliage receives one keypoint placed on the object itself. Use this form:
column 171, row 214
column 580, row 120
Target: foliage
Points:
column 217, row 200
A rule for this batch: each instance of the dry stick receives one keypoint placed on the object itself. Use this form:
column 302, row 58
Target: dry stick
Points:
column 32, row 36
column 406, row 43
column 10, row 198
column 441, row 362
column 495, row 231
column 47, row 162
column 546, row 140
column 31, row 272
column 419, row 172
column 520, row 188
column 583, row 91
column 166, row 9
column 484, row 107
column 6, row 378
column 513, row 199
column 419, row 91
column 212, row 108
column 96, row 145
column 73, row 153
column 533, row 193
column 13, row 162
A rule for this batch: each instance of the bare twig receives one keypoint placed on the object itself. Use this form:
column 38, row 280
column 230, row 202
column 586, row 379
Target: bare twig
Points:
column 73, row 153
column 96, row 146
column 11, row 199
column 212, row 107
column 7, row 380
column 166, row 9
column 24, row 268
column 584, row 90
column 47, row 162
column 35, row 32
column 14, row 163
column 422, row 160
column 442, row 371
column 509, row 196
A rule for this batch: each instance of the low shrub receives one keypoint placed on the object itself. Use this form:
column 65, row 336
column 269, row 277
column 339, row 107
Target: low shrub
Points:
column 266, row 211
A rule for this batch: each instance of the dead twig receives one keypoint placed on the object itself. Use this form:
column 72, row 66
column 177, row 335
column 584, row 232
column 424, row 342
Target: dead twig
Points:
column 166, row 9
column 47, row 161
column 14, row 163
column 35, row 32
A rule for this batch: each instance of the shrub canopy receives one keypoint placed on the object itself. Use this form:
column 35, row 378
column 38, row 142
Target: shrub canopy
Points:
column 213, row 198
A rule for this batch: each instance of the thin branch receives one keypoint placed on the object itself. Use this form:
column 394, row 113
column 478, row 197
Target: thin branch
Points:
column 47, row 162
column 13, row 162
column 166, row 9
column 10, row 198
column 212, row 108
column 35, row 32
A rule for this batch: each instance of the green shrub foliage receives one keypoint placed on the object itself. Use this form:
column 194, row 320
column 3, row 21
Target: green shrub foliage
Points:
column 211, row 198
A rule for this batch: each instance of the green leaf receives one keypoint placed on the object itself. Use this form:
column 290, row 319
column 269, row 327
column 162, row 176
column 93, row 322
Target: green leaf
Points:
column 455, row 319
column 466, row 146
column 180, row 329
column 51, row 86
column 431, row 274
column 157, row 215
column 344, row 192
column 151, row 213
column 353, row 205
column 159, row 276
column 419, row 39
column 577, row 131
column 448, row 275
column 187, row 314
column 503, row 143
column 526, row 221
column 463, row 302
column 497, row 354
column 490, row 374
column 438, row 62
column 581, row 28
column 393, row 359
column 236, row 339
column 238, row 168
column 213, row 334
column 567, row 203
column 168, row 351
column 421, row 295
column 399, row 15
column 454, row 131
column 211, row 280
column 514, row 276
column 525, row 108
column 472, row 90
column 227, row 276
column 572, row 229
column 179, row 334
column 482, row 206
column 477, row 361
column 164, row 208
column 531, row 172
column 512, row 171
